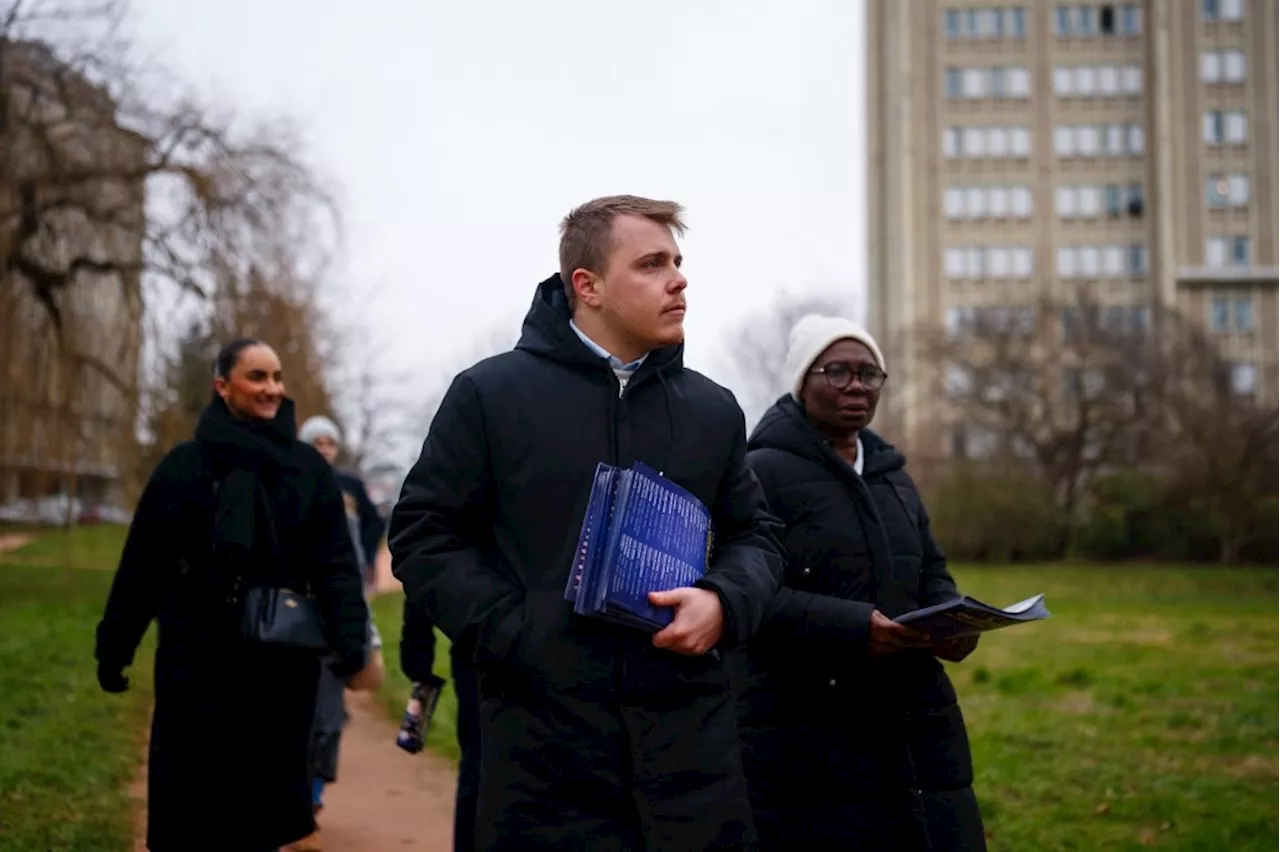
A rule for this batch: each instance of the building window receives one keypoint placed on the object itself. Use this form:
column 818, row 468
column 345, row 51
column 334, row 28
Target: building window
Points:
column 1115, row 318
column 976, row 82
column 1222, row 10
column 997, row 142
column 1137, row 139
column 951, row 82
column 1131, row 19
column 1211, row 67
column 1112, row 261
column 1063, row 81
column 1227, row 66
column 1244, row 378
column 975, row 141
column 1215, row 191
column 1109, row 81
column 998, row 202
column 1087, row 140
column 997, row 262
column 1062, row 21
column 1086, row 81
column 1244, row 315
column 1016, row 21
column 953, row 264
column 1228, row 251
column 1241, row 253
column 1107, row 19
column 1113, row 200
column 951, row 23
column 953, row 203
column 1237, row 128
column 1238, row 190
column 1064, row 201
column 1024, row 262
column 1231, row 126
column 975, row 202
column 1131, row 77
column 1227, row 190
column 973, row 262
column 1086, row 21
column 1215, row 252
column 1140, row 318
column 1114, row 139
column 1020, row 202
column 978, row 142
column 1067, row 262
column 1137, row 257
column 951, row 142
column 1220, row 315
column 1233, row 66
column 1089, row 202
column 1212, row 130
column 1020, row 142
column 1135, row 202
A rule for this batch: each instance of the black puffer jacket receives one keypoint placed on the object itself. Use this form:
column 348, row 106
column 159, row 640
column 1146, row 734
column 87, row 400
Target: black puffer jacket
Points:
column 590, row 737
column 836, row 745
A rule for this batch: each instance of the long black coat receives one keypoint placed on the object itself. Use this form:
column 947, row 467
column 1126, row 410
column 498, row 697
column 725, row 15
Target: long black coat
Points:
column 837, row 744
column 229, row 737
column 590, row 737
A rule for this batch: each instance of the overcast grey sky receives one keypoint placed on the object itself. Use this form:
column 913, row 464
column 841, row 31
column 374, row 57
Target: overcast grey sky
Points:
column 460, row 133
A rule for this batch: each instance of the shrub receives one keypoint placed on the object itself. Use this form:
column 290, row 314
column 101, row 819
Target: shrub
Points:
column 997, row 513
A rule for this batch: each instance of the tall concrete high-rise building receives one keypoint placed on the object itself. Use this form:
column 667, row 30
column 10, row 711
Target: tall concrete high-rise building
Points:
column 1026, row 149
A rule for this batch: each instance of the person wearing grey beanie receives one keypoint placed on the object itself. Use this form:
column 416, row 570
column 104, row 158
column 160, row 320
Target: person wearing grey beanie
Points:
column 852, row 735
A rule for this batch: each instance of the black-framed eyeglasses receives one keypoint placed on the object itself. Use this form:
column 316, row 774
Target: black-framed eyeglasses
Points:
column 840, row 374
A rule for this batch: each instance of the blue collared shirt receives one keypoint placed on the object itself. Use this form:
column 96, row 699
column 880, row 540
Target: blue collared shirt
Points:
column 614, row 361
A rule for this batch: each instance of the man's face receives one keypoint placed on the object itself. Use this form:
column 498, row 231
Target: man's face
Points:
column 835, row 409
column 641, row 293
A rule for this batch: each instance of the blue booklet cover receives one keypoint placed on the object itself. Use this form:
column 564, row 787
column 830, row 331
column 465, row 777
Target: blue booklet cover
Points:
column 640, row 533
column 968, row 616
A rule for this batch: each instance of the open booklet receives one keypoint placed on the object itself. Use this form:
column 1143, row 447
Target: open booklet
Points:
column 967, row 616
column 641, row 533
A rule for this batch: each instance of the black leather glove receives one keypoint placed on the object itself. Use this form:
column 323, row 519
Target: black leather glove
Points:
column 112, row 678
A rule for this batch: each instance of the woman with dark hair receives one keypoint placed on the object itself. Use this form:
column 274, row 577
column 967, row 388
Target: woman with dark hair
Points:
column 244, row 508
column 852, row 735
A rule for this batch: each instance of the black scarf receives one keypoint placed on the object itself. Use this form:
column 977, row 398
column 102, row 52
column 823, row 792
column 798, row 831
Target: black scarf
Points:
column 246, row 453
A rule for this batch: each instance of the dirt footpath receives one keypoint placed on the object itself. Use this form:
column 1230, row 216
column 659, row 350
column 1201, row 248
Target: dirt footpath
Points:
column 386, row 799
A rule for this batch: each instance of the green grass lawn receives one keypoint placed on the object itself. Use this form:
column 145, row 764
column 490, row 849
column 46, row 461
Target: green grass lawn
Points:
column 1143, row 713
column 67, row 750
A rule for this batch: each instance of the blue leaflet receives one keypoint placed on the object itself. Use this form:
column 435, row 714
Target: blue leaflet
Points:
column 641, row 533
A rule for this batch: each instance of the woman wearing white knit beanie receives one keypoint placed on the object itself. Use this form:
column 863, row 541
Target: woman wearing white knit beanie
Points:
column 852, row 736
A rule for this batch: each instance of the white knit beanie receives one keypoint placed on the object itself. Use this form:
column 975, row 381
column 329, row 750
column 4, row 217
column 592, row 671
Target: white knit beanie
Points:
column 319, row 427
column 810, row 337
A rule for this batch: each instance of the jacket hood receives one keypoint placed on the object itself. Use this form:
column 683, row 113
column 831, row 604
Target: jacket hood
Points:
column 546, row 333
column 786, row 427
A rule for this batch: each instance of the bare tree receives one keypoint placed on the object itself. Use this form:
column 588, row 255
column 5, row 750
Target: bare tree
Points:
column 113, row 198
column 1219, row 439
column 1070, row 387
column 758, row 347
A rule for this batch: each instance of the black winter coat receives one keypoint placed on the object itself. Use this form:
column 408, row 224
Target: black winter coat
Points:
column 230, row 733
column 836, row 744
column 590, row 737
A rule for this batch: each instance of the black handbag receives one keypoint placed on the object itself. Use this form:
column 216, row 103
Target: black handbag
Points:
column 274, row 615
column 278, row 615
